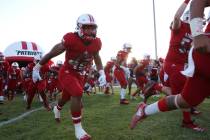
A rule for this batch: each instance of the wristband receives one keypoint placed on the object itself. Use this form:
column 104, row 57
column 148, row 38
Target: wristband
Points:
column 196, row 26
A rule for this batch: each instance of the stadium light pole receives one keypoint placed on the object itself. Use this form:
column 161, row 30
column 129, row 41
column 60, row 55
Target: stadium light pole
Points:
column 155, row 34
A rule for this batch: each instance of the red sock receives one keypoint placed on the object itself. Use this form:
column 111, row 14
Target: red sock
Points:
column 76, row 117
column 186, row 116
column 162, row 105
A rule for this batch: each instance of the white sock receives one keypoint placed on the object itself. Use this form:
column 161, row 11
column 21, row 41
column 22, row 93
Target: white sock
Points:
column 151, row 109
column 56, row 112
column 1, row 98
column 79, row 131
column 122, row 93
column 78, row 126
column 40, row 98
column 25, row 98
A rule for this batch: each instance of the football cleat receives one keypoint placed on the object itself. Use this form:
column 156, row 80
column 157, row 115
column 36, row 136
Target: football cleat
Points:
column 85, row 137
column 88, row 93
column 57, row 114
column 106, row 91
column 195, row 112
column 133, row 97
column 193, row 126
column 82, row 135
column 138, row 117
column 124, row 101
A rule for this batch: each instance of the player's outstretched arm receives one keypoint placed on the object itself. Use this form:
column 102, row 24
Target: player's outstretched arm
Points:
column 176, row 21
column 99, row 66
column 55, row 51
column 98, row 62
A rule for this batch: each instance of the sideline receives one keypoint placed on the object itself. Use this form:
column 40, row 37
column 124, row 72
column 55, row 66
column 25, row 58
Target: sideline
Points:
column 20, row 117
column 25, row 114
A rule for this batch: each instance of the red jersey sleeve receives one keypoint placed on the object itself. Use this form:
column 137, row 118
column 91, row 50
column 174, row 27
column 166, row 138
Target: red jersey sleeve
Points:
column 67, row 39
column 98, row 43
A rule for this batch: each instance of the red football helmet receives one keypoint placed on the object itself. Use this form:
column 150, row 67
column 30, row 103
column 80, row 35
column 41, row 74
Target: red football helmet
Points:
column 86, row 27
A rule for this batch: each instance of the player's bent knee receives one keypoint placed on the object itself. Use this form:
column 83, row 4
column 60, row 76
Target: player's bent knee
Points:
column 181, row 102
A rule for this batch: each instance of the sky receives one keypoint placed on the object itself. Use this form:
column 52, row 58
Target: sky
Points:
column 119, row 21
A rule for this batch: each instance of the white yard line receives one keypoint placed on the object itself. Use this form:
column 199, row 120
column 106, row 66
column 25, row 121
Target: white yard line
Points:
column 24, row 115
column 20, row 117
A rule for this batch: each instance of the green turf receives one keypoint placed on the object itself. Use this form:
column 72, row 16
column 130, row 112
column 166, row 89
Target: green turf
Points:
column 16, row 107
column 104, row 119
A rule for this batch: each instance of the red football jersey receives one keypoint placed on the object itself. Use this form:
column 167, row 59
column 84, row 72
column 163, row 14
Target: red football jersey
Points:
column 3, row 69
column 140, row 69
column 29, row 67
column 207, row 30
column 122, row 56
column 109, row 66
column 43, row 71
column 79, row 55
column 54, row 70
column 14, row 74
column 154, row 72
column 180, row 44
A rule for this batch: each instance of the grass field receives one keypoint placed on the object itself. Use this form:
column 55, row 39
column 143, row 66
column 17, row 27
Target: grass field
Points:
column 104, row 119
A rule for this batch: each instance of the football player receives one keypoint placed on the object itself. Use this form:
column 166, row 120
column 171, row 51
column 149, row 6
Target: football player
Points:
column 81, row 47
